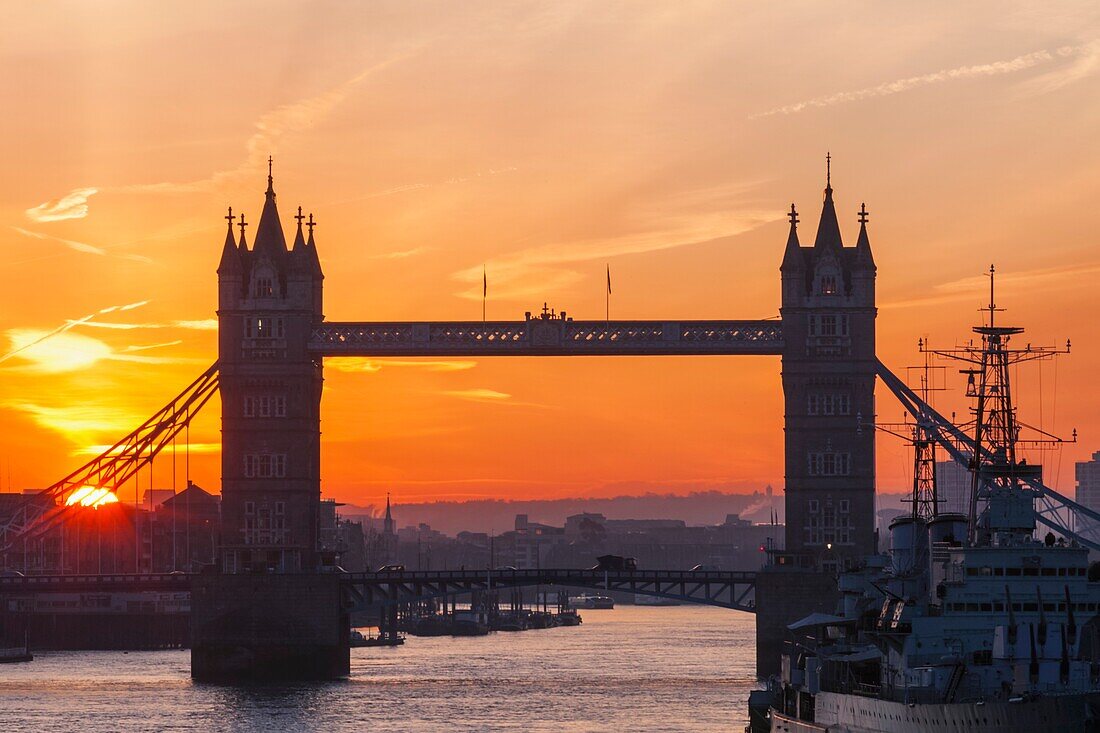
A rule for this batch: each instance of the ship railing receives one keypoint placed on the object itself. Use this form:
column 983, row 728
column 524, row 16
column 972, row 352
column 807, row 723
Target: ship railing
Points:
column 864, row 688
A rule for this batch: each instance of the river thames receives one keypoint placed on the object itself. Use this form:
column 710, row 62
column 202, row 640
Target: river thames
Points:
column 683, row 668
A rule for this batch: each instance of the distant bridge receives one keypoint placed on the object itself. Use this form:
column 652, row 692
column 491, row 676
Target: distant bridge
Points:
column 726, row 589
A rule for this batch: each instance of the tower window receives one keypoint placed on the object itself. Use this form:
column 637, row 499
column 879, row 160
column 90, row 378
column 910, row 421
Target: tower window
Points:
column 829, row 464
column 265, row 406
column 264, row 287
column 265, row 465
column 828, row 284
column 264, row 327
column 813, row 404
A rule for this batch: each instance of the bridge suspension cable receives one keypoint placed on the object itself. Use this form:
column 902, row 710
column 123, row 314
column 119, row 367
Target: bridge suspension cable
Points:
column 113, row 467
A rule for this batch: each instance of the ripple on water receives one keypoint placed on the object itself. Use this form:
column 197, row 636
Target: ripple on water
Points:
column 679, row 668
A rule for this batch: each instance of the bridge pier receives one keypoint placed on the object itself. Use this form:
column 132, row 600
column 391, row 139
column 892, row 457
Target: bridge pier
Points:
column 268, row 627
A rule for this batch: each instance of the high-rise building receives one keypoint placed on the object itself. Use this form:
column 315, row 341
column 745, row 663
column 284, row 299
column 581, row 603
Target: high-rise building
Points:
column 828, row 385
column 953, row 483
column 269, row 302
column 1088, row 482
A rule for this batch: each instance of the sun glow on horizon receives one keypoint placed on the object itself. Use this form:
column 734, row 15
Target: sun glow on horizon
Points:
column 91, row 496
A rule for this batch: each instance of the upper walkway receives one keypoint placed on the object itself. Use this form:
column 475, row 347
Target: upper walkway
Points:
column 548, row 336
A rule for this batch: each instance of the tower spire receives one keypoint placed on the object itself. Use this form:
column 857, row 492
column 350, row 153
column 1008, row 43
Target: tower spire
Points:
column 269, row 239
column 863, row 244
column 828, row 229
column 231, row 258
column 242, row 225
column 299, row 240
column 792, row 255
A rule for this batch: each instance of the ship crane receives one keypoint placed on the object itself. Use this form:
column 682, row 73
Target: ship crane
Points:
column 988, row 444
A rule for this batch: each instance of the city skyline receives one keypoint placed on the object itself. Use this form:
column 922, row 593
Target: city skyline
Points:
column 114, row 229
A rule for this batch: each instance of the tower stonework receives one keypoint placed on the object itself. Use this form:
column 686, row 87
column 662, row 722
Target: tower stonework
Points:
column 269, row 301
column 828, row 311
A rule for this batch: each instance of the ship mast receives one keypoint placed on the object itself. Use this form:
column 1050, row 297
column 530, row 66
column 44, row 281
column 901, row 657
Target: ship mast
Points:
column 1000, row 500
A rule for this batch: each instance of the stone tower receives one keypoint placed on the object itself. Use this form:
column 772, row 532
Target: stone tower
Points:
column 828, row 309
column 269, row 300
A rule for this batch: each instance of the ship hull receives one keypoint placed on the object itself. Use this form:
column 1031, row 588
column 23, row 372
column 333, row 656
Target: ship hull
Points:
column 839, row 713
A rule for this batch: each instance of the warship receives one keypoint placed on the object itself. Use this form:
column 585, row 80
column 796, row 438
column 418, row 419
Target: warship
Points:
column 973, row 621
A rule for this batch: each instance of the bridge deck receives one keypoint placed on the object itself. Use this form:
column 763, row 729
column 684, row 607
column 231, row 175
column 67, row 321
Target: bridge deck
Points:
column 548, row 337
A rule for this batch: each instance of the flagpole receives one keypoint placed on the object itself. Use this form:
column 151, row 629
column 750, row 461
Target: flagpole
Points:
column 607, row 297
column 484, row 291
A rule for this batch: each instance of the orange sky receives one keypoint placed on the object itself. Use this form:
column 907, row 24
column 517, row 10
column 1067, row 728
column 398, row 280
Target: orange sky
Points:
column 544, row 140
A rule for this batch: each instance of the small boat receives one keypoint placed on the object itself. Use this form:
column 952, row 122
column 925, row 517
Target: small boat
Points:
column 13, row 654
column 640, row 599
column 593, row 602
column 569, row 618
column 357, row 640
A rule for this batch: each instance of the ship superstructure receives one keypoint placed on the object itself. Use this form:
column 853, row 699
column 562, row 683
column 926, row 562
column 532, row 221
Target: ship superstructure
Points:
column 971, row 621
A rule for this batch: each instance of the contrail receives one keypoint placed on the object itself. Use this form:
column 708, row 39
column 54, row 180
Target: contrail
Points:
column 996, row 68
column 69, row 325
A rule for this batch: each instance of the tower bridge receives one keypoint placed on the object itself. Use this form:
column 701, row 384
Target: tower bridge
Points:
column 273, row 337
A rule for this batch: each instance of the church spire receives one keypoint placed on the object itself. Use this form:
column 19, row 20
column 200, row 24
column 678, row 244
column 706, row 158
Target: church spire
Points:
column 387, row 523
column 828, row 229
column 231, row 258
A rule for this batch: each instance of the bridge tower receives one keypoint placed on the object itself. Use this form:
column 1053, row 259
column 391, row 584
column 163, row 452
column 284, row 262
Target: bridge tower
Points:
column 269, row 300
column 828, row 309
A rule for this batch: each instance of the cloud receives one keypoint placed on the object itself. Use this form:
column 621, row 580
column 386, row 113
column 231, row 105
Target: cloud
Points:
column 402, row 254
column 206, row 324
column 131, row 349
column 52, row 353
column 41, row 336
column 73, row 205
column 694, row 218
column 192, row 447
column 358, row 364
column 59, row 352
column 1085, row 63
column 478, row 395
column 82, row 422
column 270, row 130
column 977, row 286
column 898, row 86
column 83, row 247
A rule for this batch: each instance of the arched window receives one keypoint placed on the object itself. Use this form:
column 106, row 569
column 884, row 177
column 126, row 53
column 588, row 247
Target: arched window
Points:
column 263, row 283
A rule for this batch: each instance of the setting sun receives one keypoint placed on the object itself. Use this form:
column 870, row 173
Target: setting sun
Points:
column 91, row 496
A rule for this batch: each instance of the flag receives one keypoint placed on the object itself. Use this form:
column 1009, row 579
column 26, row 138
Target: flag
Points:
column 609, row 279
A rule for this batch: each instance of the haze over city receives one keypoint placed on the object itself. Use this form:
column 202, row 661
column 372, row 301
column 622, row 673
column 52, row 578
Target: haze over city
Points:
column 537, row 148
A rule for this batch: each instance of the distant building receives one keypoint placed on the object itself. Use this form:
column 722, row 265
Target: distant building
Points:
column 1088, row 482
column 191, row 518
column 953, row 487
column 532, row 542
